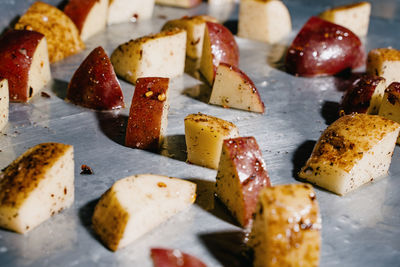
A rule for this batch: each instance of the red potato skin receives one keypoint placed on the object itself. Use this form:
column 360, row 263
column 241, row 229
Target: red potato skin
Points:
column 144, row 123
column 247, row 160
column 77, row 11
column 223, row 45
column 174, row 258
column 393, row 93
column 357, row 98
column 247, row 80
column 323, row 48
column 17, row 48
column 94, row 84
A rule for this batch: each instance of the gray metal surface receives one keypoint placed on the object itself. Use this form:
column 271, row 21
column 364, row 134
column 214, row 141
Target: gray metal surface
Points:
column 360, row 229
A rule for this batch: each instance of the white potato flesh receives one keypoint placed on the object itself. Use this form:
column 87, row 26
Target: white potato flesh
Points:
column 384, row 62
column 96, row 20
column 120, row 11
column 4, row 103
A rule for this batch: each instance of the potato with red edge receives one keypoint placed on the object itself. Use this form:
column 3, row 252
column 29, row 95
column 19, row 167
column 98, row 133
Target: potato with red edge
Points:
column 390, row 107
column 233, row 88
column 323, row 48
column 120, row 11
column 95, row 84
column 62, row 36
column 24, row 63
column 148, row 114
column 219, row 46
column 174, row 258
column 384, row 62
column 4, row 103
column 179, row 3
column 364, row 96
column 354, row 17
column 241, row 176
column 89, row 16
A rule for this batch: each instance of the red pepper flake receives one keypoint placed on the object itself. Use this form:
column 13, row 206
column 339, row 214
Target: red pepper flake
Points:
column 86, row 169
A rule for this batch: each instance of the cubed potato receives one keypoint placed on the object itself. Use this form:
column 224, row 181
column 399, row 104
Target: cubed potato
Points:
column 364, row 95
column 62, row 36
column 233, row 88
column 390, row 107
column 4, row 103
column 267, row 21
column 354, row 150
column 242, row 174
column 37, row 185
column 89, row 16
column 354, row 17
column 135, row 205
column 195, row 27
column 147, row 121
column 159, row 55
column 120, row 11
column 25, row 63
column 287, row 227
column 204, row 135
column 384, row 62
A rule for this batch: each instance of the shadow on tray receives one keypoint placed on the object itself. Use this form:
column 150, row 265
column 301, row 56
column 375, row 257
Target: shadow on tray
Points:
column 330, row 111
column 174, row 147
column 201, row 92
column 113, row 125
column 301, row 155
column 229, row 248
column 59, row 88
column 86, row 214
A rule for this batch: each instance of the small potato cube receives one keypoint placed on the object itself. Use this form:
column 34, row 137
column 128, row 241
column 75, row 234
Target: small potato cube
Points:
column 241, row 176
column 286, row 228
column 135, row 205
column 352, row 151
column 204, row 135
column 37, row 185
column 120, row 11
column 159, row 55
column 390, row 106
column 384, row 62
column 354, row 17
column 267, row 21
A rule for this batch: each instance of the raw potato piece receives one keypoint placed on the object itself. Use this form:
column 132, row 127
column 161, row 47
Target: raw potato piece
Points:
column 174, row 258
column 354, row 150
column 354, row 17
column 89, row 16
column 179, row 3
column 135, row 205
column 159, row 55
column 364, row 96
column 286, row 228
column 4, row 103
column 129, row 10
column 24, row 63
column 267, row 21
column 62, row 36
column 204, row 135
column 233, row 88
column 219, row 46
column 384, row 62
column 194, row 27
column 94, row 84
column 148, row 114
column 390, row 107
column 37, row 185
column 241, row 176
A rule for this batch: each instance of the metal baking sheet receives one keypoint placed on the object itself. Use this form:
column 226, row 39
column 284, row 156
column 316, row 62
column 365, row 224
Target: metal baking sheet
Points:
column 360, row 229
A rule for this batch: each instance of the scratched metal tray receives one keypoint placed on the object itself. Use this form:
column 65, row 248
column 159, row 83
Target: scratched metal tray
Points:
column 361, row 229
